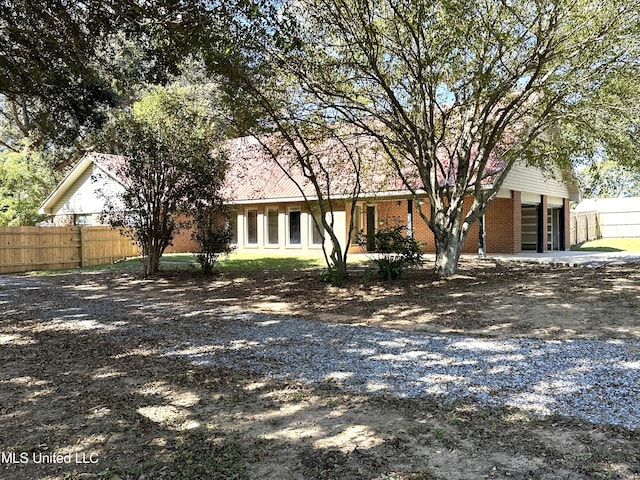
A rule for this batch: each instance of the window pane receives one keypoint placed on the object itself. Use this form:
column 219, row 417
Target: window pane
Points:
column 252, row 227
column 272, row 227
column 233, row 224
column 317, row 229
column 294, row 228
column 357, row 225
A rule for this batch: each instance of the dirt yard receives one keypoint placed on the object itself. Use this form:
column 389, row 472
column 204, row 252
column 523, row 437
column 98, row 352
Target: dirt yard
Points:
column 86, row 391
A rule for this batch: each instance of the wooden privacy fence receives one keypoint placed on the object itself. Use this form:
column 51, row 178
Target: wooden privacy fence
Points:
column 55, row 248
column 584, row 227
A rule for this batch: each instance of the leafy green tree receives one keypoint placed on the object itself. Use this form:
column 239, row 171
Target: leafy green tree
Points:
column 322, row 158
column 25, row 181
column 454, row 91
column 607, row 178
column 601, row 138
column 166, row 140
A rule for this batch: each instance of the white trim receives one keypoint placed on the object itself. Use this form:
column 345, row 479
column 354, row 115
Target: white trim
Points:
column 554, row 202
column 528, row 198
column 235, row 215
column 311, row 227
column 362, row 197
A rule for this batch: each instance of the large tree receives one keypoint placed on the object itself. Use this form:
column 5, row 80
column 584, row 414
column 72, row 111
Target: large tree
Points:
column 166, row 141
column 311, row 150
column 455, row 91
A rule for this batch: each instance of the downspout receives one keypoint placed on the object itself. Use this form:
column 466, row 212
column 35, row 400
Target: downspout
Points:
column 410, row 218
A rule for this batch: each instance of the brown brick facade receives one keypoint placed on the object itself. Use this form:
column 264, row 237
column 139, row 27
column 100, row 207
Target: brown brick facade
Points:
column 183, row 243
column 502, row 224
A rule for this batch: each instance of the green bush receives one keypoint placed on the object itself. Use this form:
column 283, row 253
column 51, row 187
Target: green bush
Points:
column 213, row 234
column 393, row 252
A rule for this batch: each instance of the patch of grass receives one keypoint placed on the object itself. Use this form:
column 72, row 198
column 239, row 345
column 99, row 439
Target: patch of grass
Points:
column 243, row 262
column 609, row 245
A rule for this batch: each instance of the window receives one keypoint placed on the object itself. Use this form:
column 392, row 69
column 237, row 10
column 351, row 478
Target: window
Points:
column 252, row 227
column 357, row 225
column 272, row 226
column 295, row 237
column 317, row 228
column 233, row 225
column 83, row 220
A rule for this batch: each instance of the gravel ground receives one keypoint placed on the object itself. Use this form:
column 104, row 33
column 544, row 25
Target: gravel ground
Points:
column 595, row 380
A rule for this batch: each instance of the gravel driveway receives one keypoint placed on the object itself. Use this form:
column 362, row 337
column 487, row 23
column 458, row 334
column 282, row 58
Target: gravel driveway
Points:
column 596, row 380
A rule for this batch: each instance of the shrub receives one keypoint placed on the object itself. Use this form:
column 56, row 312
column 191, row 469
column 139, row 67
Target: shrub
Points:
column 393, row 252
column 213, row 234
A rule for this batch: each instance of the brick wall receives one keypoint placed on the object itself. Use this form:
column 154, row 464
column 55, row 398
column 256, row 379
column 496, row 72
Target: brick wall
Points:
column 502, row 224
column 183, row 243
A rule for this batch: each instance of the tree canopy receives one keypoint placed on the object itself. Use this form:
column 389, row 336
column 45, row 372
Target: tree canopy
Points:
column 73, row 61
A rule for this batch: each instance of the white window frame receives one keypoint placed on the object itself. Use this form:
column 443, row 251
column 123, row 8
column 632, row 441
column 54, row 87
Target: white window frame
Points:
column 233, row 224
column 312, row 228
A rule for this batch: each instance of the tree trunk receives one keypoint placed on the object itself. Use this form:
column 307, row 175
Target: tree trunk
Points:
column 339, row 265
column 449, row 238
column 448, row 250
column 152, row 261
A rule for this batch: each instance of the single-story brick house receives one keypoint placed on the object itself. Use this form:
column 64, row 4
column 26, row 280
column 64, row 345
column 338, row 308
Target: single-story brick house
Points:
column 269, row 214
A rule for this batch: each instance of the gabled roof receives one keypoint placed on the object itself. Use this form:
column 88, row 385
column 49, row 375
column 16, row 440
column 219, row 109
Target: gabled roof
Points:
column 109, row 164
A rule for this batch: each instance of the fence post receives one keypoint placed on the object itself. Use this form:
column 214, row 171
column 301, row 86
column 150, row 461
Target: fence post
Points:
column 81, row 247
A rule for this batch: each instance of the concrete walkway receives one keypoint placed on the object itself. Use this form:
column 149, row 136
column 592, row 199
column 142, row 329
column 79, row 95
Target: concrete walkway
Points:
column 591, row 259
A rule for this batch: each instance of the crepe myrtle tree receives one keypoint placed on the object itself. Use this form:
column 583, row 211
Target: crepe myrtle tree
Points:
column 166, row 141
column 329, row 161
column 325, row 166
column 455, row 91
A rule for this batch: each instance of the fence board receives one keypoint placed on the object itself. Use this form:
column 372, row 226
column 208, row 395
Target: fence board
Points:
column 52, row 248
column 584, row 226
